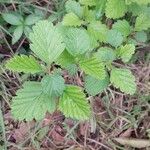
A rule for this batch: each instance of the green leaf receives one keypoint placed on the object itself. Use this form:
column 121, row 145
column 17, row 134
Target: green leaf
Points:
column 88, row 2
column 72, row 69
column 74, row 104
column 93, row 41
column 136, row 9
column 115, row 9
column 94, row 86
column 31, row 102
column 77, row 41
column 123, row 27
column 27, row 31
column 142, row 22
column 141, row 2
column 74, row 7
column 53, row 85
column 24, row 64
column 141, row 36
column 105, row 54
column 132, row 41
column 13, row 18
column 114, row 38
column 71, row 20
column 89, row 15
column 65, row 59
column 123, row 79
column 17, row 34
column 98, row 30
column 68, row 62
column 101, row 5
column 31, row 19
column 47, row 42
column 93, row 67
column 126, row 52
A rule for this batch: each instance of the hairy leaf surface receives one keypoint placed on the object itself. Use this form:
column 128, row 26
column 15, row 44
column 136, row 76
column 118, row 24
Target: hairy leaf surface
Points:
column 31, row 102
column 123, row 79
column 115, row 8
column 123, row 27
column 98, row 30
column 53, row 85
column 65, row 59
column 77, row 41
column 74, row 104
column 105, row 54
column 71, row 19
column 94, row 86
column 74, row 7
column 46, row 41
column 93, row 67
column 126, row 52
column 24, row 64
column 142, row 22
column 114, row 38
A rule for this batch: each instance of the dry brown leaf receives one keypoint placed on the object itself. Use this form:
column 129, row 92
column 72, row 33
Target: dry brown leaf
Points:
column 127, row 133
column 136, row 143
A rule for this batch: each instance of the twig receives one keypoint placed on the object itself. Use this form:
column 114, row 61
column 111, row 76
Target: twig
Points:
column 101, row 144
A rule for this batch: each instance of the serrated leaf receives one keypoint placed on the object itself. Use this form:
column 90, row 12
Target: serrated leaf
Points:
column 114, row 38
column 141, row 36
column 71, row 20
column 65, row 59
column 126, row 52
column 46, row 41
column 94, row 86
column 88, row 14
column 93, row 41
column 24, row 64
column 132, row 41
column 105, row 54
column 115, row 9
column 31, row 103
column 72, row 69
column 123, row 79
column 93, row 67
column 77, row 41
column 74, row 7
column 88, row 2
column 17, row 34
column 142, row 22
column 31, row 19
column 13, row 18
column 53, row 85
column 136, row 9
column 98, row 30
column 123, row 27
column 74, row 104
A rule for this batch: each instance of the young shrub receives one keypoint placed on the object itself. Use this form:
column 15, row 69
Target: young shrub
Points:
column 83, row 41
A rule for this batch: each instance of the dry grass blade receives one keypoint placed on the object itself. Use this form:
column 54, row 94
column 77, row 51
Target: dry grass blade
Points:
column 2, row 128
column 136, row 143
